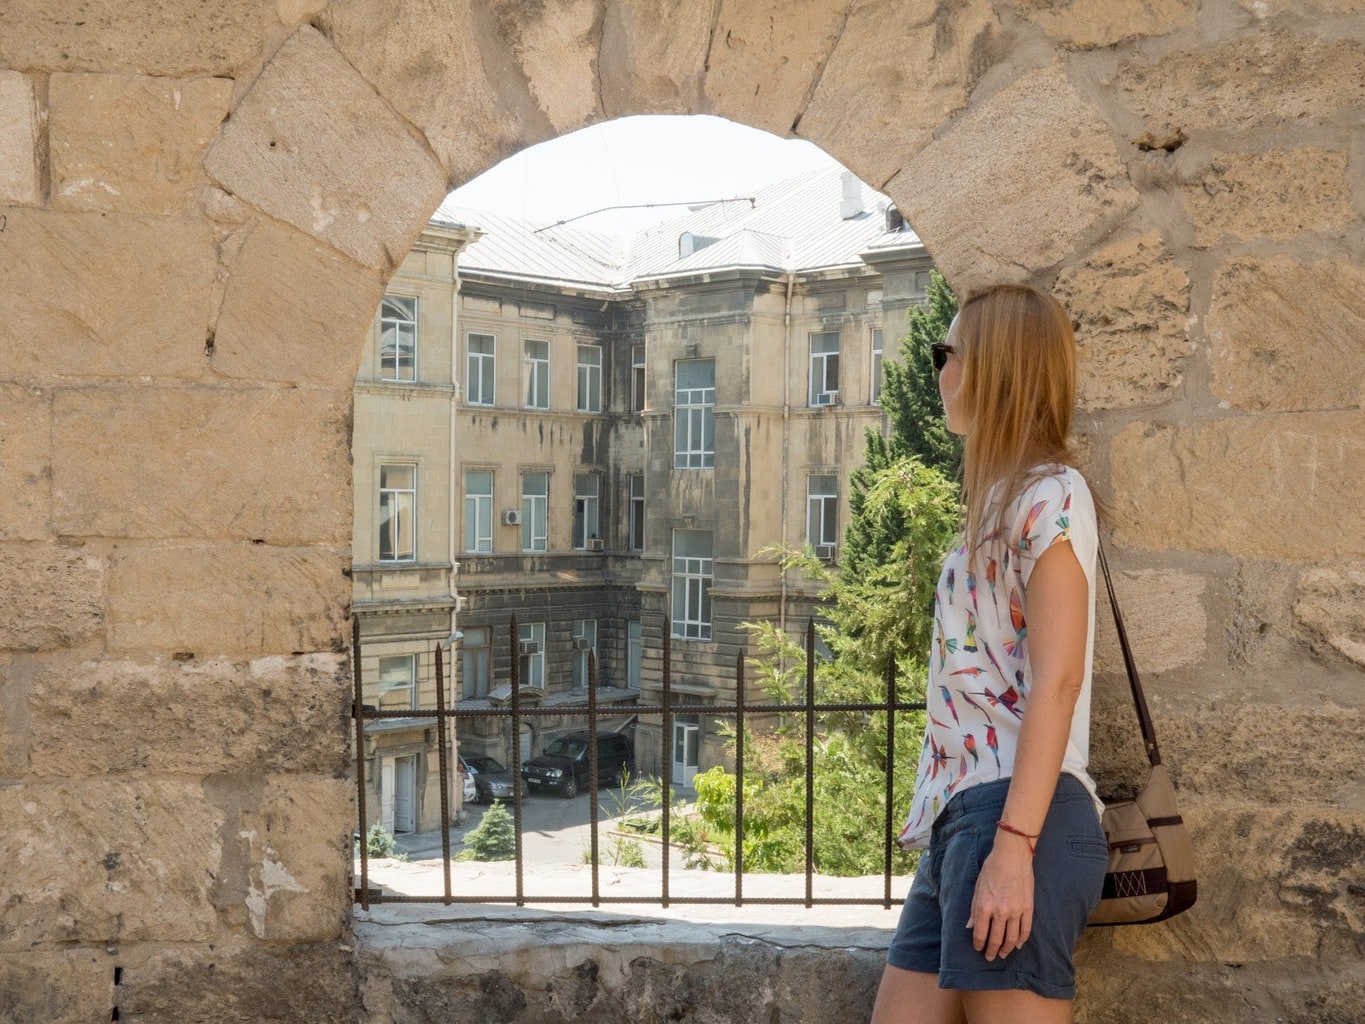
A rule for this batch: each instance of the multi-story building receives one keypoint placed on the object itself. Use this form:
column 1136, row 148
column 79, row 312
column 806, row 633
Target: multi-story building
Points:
column 635, row 432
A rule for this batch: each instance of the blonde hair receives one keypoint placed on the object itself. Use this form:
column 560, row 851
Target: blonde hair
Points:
column 1017, row 394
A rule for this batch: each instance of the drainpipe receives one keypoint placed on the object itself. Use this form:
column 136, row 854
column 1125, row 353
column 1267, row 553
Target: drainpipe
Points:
column 786, row 439
column 452, row 549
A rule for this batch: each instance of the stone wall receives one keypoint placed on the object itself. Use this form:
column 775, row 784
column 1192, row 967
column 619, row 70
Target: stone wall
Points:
column 201, row 202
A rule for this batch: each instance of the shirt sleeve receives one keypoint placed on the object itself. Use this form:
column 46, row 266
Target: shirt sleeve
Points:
column 1055, row 508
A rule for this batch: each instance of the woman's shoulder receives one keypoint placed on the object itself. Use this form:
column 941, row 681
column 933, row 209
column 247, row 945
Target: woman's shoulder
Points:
column 1051, row 482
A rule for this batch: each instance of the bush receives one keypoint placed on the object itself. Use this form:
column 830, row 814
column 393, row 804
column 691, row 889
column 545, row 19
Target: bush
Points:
column 379, row 841
column 494, row 838
column 619, row 853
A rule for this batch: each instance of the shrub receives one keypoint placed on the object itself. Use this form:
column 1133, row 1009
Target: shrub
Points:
column 494, row 838
column 379, row 841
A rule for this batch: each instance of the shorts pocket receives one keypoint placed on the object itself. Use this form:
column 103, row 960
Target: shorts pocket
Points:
column 1088, row 848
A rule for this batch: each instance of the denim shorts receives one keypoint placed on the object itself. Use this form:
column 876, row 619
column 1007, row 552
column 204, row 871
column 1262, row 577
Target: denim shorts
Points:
column 1068, row 875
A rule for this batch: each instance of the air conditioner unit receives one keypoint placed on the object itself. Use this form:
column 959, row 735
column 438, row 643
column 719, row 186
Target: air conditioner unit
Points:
column 824, row 552
column 581, row 643
column 827, row 398
column 596, row 544
column 511, row 517
column 525, row 647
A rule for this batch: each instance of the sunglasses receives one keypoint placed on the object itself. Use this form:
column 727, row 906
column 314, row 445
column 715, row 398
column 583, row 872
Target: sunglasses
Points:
column 940, row 354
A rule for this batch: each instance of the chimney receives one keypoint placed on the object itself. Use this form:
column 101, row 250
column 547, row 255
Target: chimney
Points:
column 852, row 202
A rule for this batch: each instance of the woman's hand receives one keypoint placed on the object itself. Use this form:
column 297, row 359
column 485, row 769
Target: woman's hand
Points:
column 1002, row 906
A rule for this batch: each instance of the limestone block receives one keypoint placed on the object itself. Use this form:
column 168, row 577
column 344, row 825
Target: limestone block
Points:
column 129, row 143
column 219, row 38
column 1053, row 175
column 447, row 68
column 1272, row 884
column 230, row 599
column 1271, row 79
column 249, row 984
column 653, row 56
column 764, row 59
column 1129, row 304
column 312, row 144
column 25, row 463
column 1285, row 334
column 1164, row 615
column 18, row 139
column 1329, row 605
column 1263, row 9
column 52, row 596
column 203, row 463
column 1086, row 24
column 286, row 855
column 1286, row 486
column 62, row 987
column 1280, row 194
column 295, row 310
column 103, row 296
column 556, row 48
column 921, row 81
column 107, row 861
column 281, row 714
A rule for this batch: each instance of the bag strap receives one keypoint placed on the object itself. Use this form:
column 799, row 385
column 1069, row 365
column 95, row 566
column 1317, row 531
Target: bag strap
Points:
column 1139, row 698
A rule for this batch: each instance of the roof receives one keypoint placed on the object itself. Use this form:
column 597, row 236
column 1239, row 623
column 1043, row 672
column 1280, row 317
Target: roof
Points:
column 791, row 226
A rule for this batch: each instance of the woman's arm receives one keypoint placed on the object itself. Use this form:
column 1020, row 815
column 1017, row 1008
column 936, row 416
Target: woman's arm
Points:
column 1058, row 603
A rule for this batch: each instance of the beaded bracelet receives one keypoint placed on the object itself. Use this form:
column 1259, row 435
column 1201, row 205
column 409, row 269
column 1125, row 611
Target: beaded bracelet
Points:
column 1005, row 826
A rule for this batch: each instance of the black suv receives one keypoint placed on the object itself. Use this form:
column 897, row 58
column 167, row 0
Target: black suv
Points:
column 563, row 765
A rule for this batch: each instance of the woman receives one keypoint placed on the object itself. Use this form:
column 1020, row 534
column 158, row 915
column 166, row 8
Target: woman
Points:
column 1003, row 802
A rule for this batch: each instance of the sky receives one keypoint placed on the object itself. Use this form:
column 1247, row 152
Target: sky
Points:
column 645, row 159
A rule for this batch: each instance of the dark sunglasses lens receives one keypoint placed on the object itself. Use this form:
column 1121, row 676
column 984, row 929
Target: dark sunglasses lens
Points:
column 940, row 356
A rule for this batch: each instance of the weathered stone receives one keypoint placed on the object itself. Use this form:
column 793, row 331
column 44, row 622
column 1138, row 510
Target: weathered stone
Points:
column 1129, row 304
column 117, row 296
column 446, row 67
column 1329, row 606
column 1256, row 625
column 251, row 465
column 18, row 139
column 653, row 57
column 25, row 457
column 1163, row 613
column 128, row 143
column 286, row 851
column 200, row 37
column 1263, row 9
column 320, row 326
column 765, row 58
column 556, row 47
column 1187, row 487
column 1053, row 175
column 106, row 861
column 66, row 987
column 196, row 718
column 308, row 111
column 230, row 599
column 922, row 81
column 1285, row 334
column 53, row 596
column 1280, row 195
column 1085, row 24
column 1270, row 79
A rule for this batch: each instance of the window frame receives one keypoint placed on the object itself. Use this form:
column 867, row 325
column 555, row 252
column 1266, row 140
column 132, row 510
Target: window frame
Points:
column 587, row 510
column 536, row 375
column 584, row 628
column 638, row 380
column 589, row 379
column 695, row 574
column 396, row 376
column 409, row 684
column 476, row 684
column 694, row 418
column 825, row 373
column 382, row 522
column 635, row 649
column 490, row 370
column 823, row 504
column 533, row 671
column 876, row 344
column 481, row 545
column 529, row 503
column 635, row 505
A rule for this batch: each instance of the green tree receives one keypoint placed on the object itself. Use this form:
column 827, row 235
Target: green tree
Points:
column 494, row 838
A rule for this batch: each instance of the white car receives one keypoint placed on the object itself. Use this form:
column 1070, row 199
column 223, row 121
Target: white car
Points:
column 468, row 791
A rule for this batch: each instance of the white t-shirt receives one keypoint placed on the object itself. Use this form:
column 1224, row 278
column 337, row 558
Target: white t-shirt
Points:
column 979, row 671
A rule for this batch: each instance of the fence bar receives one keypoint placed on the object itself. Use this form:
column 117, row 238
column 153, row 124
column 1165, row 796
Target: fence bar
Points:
column 360, row 763
column 693, row 901
column 516, row 748
column 810, row 759
column 666, row 752
column 443, row 759
column 592, row 769
column 890, row 772
column 739, row 779
column 371, row 714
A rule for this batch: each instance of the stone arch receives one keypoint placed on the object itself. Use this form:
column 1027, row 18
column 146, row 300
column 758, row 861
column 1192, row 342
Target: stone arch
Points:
column 1181, row 174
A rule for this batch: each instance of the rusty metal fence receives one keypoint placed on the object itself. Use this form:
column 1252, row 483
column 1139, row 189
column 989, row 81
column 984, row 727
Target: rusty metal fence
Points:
column 807, row 709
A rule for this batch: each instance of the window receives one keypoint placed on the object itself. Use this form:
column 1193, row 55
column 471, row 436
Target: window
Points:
column 476, row 661
column 531, row 653
column 876, row 397
column 397, row 513
column 584, row 641
column 478, row 511
column 398, row 338
column 586, row 526
column 398, row 682
column 694, row 414
column 637, row 378
column 636, row 528
column 536, row 372
column 634, row 654
column 589, row 378
column 822, row 514
column 692, row 584
column 535, row 511
column 824, row 368
column 479, row 372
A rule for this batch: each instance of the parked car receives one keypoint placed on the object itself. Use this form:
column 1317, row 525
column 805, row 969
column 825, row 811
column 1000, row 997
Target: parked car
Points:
column 468, row 791
column 563, row 765
column 492, row 779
